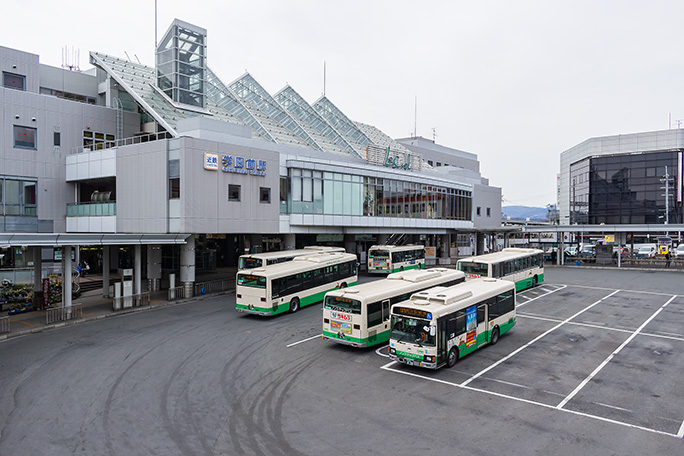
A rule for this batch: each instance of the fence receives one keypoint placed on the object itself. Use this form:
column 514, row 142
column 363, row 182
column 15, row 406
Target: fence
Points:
column 63, row 313
column 4, row 325
column 213, row 286
column 176, row 293
column 136, row 300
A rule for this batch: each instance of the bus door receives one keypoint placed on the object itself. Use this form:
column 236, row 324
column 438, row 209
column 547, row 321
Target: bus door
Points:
column 442, row 339
column 386, row 312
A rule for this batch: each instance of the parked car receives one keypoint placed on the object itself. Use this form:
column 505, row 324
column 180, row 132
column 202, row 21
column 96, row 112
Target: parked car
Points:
column 679, row 251
column 588, row 253
column 570, row 252
column 646, row 252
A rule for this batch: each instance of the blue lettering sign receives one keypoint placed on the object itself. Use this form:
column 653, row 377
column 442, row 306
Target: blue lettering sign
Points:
column 239, row 162
column 393, row 162
column 262, row 165
column 250, row 163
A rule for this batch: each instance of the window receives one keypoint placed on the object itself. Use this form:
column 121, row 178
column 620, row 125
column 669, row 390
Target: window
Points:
column 439, row 164
column 57, row 138
column 25, row 137
column 13, row 81
column 233, row 192
column 264, row 195
column 489, row 212
column 430, row 162
column 479, row 211
column 17, row 197
column 174, row 178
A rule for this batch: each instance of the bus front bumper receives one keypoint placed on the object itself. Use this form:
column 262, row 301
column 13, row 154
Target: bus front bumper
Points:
column 412, row 362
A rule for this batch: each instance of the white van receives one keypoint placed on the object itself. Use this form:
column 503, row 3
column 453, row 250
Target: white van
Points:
column 646, row 251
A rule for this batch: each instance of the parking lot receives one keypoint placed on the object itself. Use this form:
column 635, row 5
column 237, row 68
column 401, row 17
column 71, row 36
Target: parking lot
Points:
column 594, row 365
column 599, row 353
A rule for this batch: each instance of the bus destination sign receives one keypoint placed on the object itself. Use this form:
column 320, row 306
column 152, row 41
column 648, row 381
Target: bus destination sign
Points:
column 412, row 312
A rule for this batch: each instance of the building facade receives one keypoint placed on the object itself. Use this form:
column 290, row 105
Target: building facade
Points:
column 192, row 171
column 625, row 179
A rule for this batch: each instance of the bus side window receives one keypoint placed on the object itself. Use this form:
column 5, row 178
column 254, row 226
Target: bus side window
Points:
column 493, row 308
column 374, row 313
column 307, row 279
column 481, row 311
column 505, row 302
column 495, row 270
column 276, row 286
column 386, row 309
column 451, row 326
column 460, row 322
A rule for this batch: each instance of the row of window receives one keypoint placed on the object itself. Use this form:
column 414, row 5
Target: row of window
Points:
column 299, row 282
column 519, row 264
column 479, row 211
column 317, row 192
column 235, row 193
column 408, row 255
column 496, row 306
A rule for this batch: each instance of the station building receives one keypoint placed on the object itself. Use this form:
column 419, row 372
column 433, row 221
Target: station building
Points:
column 168, row 168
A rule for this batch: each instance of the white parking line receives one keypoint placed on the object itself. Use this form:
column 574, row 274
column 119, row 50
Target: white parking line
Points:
column 602, row 327
column 305, row 340
column 612, row 355
column 535, row 340
column 382, row 354
column 680, row 434
column 527, row 401
column 541, row 296
column 627, row 291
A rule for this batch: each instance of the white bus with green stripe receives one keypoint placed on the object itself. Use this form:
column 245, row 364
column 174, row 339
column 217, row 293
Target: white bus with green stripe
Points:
column 359, row 316
column 439, row 326
column 257, row 260
column 524, row 267
column 285, row 287
column 385, row 259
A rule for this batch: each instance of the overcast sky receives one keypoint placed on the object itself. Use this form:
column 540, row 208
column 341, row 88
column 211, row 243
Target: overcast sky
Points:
column 515, row 82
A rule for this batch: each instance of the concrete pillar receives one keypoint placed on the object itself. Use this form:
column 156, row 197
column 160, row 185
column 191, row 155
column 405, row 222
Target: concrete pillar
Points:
column 66, row 277
column 105, row 271
column 154, row 267
column 137, row 271
column 289, row 241
column 37, row 300
column 187, row 266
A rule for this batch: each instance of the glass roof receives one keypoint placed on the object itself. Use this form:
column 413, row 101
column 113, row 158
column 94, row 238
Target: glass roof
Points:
column 314, row 123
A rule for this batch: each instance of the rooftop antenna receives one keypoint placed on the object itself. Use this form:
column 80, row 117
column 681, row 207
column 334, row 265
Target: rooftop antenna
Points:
column 155, row 26
column 127, row 56
column 324, row 78
column 434, row 134
column 415, row 117
column 136, row 58
column 70, row 60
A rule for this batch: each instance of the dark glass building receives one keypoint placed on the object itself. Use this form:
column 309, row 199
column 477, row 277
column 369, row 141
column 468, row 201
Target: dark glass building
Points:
column 632, row 188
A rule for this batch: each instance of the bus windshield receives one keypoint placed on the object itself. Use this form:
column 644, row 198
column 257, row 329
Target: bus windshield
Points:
column 249, row 263
column 379, row 254
column 479, row 269
column 412, row 330
column 337, row 303
column 247, row 280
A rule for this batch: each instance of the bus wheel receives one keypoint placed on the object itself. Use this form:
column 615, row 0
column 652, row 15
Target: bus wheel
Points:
column 453, row 357
column 294, row 305
column 536, row 281
column 401, row 269
column 344, row 285
column 494, row 338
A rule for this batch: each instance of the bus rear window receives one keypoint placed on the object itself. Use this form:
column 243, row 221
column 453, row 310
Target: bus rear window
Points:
column 379, row 254
column 247, row 280
column 469, row 267
column 249, row 263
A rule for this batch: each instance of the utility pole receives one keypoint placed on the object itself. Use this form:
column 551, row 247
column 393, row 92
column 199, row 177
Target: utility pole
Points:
column 666, row 180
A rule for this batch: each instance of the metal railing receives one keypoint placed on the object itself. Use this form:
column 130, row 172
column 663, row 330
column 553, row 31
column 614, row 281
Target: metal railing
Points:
column 122, row 142
column 4, row 325
column 136, row 300
column 90, row 209
column 213, row 286
column 63, row 313
column 176, row 293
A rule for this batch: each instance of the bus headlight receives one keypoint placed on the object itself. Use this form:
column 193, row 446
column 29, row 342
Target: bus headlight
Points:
column 393, row 351
column 429, row 359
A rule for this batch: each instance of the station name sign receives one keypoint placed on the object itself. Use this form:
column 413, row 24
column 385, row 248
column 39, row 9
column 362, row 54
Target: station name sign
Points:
column 234, row 164
column 395, row 159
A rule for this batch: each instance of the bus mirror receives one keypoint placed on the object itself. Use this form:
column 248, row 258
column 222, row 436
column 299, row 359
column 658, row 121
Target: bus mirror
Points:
column 432, row 331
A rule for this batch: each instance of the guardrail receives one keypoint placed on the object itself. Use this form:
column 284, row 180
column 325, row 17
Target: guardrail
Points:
column 101, row 145
column 213, row 286
column 4, row 324
column 63, row 313
column 136, row 300
column 176, row 293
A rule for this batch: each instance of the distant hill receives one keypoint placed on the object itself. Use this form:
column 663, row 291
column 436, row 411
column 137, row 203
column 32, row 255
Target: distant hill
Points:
column 537, row 214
